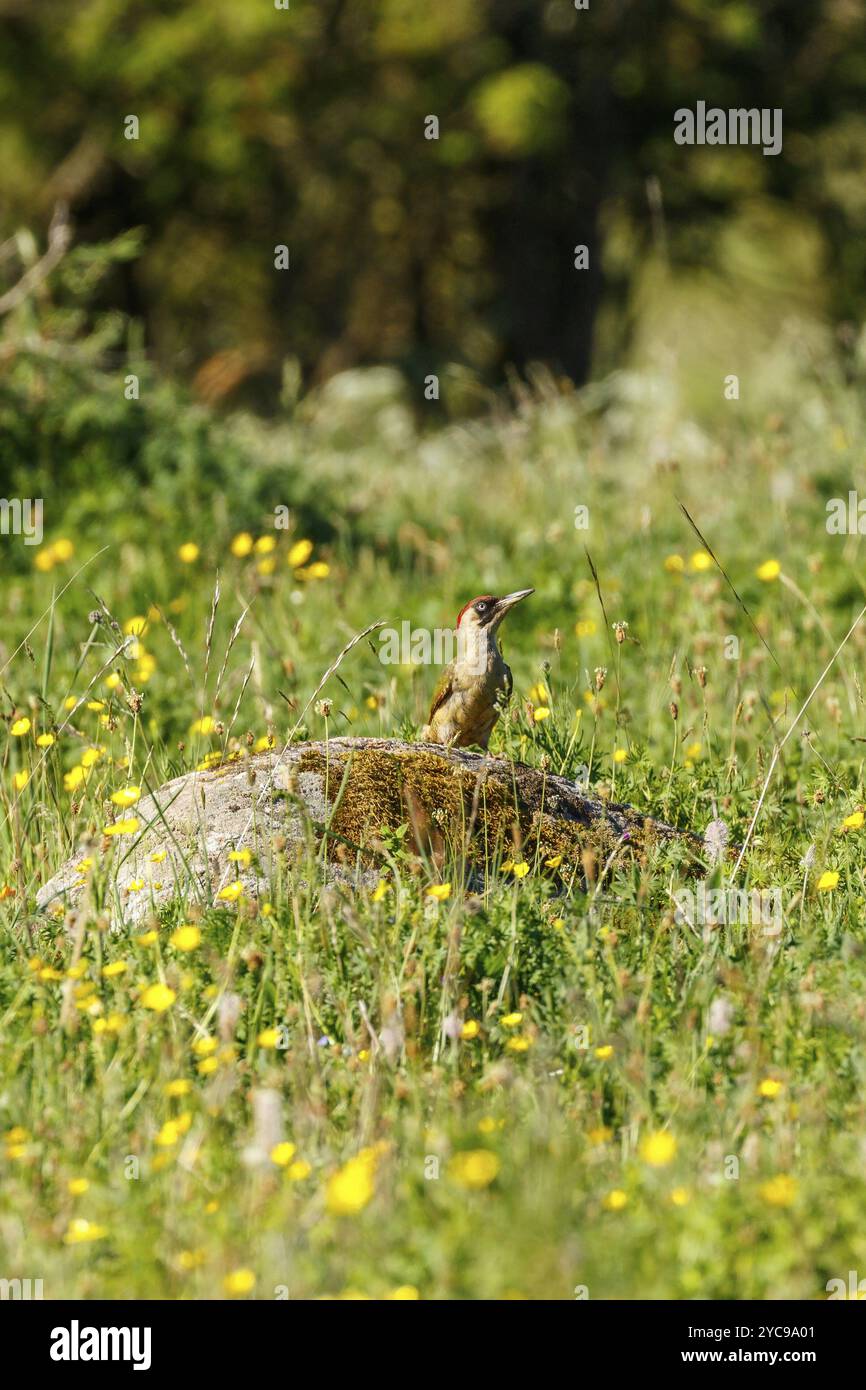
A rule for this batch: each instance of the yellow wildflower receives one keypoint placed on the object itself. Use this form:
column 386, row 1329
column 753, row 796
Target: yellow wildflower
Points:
column 768, row 571
column 126, row 796
column 185, row 938
column 658, row 1148
column 122, row 827
column 474, row 1169
column 779, row 1191
column 615, row 1200
column 158, row 997
column 242, row 544
column 350, row 1189
column 79, row 1231
column 770, row 1087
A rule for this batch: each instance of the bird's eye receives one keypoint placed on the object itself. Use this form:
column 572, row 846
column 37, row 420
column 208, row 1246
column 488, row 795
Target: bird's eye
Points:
column 481, row 608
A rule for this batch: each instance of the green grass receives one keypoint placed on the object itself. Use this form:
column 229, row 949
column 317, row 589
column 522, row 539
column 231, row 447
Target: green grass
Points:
column 760, row 1195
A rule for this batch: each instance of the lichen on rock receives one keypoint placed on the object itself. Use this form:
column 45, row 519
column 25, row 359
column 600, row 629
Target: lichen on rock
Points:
column 343, row 797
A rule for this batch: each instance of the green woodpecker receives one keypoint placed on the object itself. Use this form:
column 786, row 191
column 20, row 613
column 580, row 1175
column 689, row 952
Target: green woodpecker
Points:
column 473, row 685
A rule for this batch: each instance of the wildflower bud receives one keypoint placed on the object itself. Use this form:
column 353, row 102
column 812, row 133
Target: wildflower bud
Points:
column 600, row 677
column 674, row 709
column 620, row 630
column 94, row 617
column 557, row 640
column 676, row 685
column 701, row 674
column 324, row 708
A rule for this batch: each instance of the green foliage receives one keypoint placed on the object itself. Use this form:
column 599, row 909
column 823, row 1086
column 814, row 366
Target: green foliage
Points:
column 631, row 1022
column 306, row 127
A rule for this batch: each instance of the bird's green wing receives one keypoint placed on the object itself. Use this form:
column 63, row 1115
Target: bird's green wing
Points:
column 443, row 690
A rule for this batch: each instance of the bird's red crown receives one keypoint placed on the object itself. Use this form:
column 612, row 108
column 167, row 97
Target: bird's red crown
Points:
column 479, row 598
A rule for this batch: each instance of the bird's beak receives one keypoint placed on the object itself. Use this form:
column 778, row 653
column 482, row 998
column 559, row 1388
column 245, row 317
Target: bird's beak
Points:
column 509, row 600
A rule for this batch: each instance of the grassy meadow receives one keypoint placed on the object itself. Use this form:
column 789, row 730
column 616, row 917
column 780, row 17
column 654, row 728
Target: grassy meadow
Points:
column 551, row 1089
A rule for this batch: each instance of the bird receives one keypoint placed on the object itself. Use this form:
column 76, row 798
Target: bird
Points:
column 472, row 687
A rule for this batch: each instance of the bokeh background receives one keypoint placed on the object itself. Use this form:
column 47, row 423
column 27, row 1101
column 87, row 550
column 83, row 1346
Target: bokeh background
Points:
column 306, row 127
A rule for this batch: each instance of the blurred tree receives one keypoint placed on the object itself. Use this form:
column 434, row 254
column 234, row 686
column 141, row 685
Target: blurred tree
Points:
column 307, row 127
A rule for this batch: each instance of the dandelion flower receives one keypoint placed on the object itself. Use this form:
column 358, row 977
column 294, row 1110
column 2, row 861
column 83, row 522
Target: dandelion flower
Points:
column 674, row 564
column 605, row 1052
column 540, row 714
column 512, row 1020
column 770, row 1087
column 80, row 1231
column 768, row 571
column 242, row 544
column 231, row 892
column 518, row 1044
column 158, row 997
column 282, row 1154
column 474, row 1169
column 554, row 862
column 185, row 938
column 126, row 796
column 620, row 755
column 239, row 1282
column 20, row 727
column 701, row 560
column 45, row 740
column 350, row 1189
column 241, row 856
column 188, row 553
column 299, row 553
column 122, row 827
column 521, row 870
column 117, row 967
column 828, row 881
column 20, row 779
column 615, row 1200
column 658, row 1149
column 852, row 822
column 269, row 1038
column 470, row 1029
column 318, row 570
column 779, row 1191
column 76, row 1187
column 439, row 891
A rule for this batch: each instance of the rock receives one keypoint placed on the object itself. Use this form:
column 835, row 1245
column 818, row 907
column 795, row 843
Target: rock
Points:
column 336, row 800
